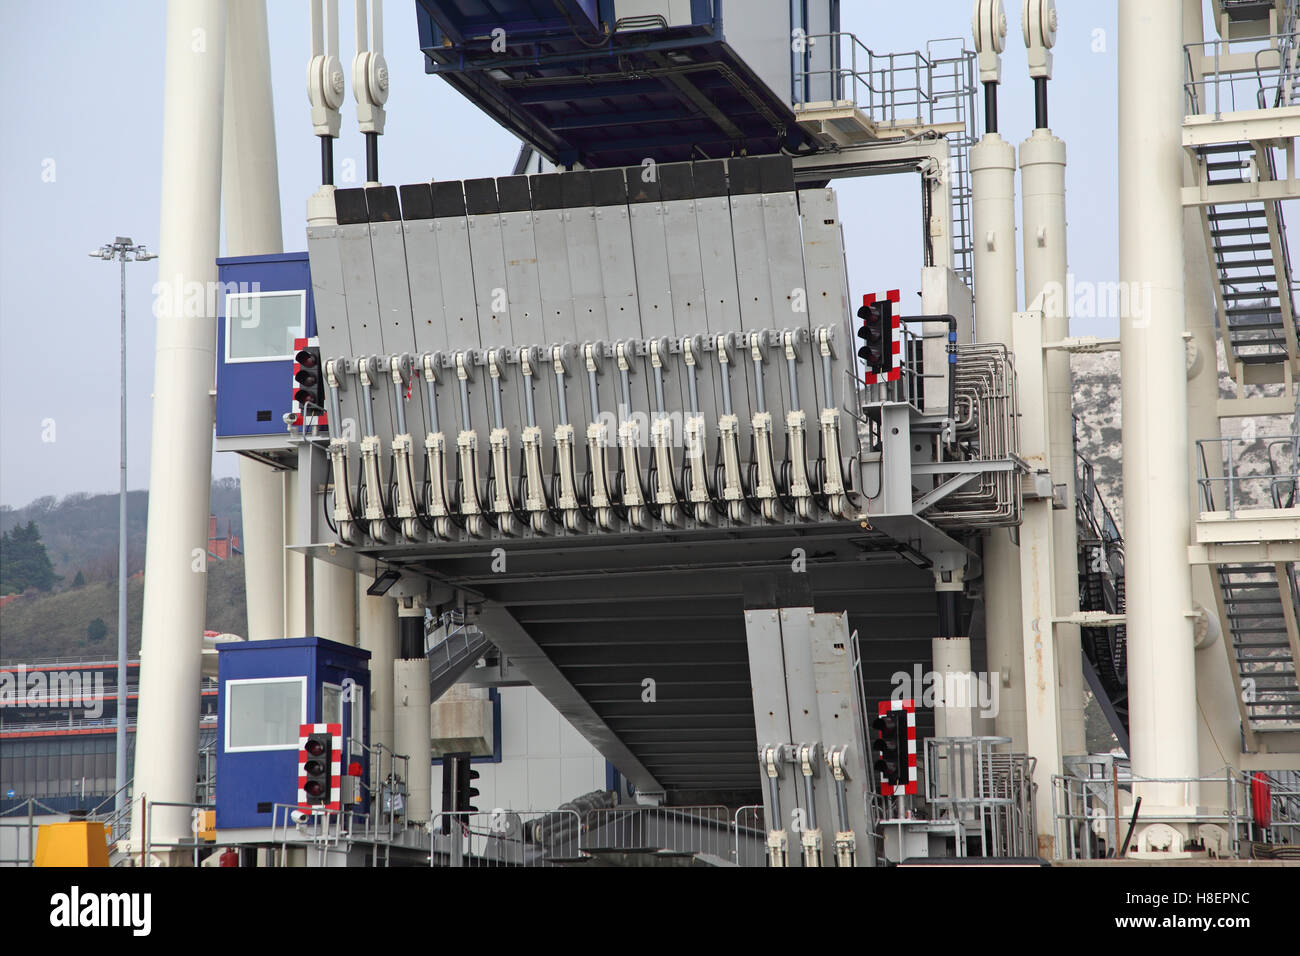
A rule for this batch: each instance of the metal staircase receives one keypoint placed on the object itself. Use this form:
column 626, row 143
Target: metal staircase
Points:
column 1101, row 588
column 453, row 649
column 1252, row 269
column 1260, row 606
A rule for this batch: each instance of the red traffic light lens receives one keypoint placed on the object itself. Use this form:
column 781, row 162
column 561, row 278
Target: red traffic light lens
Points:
column 307, row 358
column 315, row 746
column 314, row 788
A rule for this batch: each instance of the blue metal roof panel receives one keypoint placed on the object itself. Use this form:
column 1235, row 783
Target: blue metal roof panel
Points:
column 682, row 95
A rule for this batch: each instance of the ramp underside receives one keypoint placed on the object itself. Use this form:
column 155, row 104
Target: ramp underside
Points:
column 611, row 616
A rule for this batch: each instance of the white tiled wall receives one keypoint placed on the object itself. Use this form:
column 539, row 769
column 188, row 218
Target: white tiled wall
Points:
column 544, row 761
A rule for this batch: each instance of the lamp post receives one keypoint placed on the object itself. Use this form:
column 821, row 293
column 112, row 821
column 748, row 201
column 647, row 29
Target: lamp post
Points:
column 123, row 250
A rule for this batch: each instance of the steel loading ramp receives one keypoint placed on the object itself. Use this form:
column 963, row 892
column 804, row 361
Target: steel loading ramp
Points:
column 589, row 626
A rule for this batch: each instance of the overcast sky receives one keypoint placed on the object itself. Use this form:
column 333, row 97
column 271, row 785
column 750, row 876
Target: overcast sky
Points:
column 81, row 160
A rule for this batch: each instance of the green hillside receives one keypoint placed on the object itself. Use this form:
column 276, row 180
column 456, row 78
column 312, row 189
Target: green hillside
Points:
column 55, row 624
column 79, row 533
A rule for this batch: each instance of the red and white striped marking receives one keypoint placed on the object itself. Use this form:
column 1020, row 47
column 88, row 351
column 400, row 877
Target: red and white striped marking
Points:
column 909, row 707
column 298, row 346
column 895, row 341
column 336, row 766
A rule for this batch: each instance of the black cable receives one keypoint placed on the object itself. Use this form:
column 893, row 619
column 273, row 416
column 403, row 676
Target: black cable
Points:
column 573, row 27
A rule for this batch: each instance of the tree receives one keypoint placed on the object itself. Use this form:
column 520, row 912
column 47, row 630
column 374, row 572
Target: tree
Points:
column 23, row 561
column 96, row 630
column 79, row 581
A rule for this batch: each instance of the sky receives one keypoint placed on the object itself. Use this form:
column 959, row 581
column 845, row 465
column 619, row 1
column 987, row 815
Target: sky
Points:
column 81, row 163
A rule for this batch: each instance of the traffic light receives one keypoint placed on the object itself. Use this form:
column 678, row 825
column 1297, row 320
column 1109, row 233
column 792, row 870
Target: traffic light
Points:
column 458, row 791
column 318, row 755
column 887, row 751
column 309, row 379
column 895, row 746
column 877, row 341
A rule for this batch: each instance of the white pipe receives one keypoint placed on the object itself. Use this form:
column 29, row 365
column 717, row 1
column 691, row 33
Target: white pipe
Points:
column 377, row 617
column 1219, row 723
column 993, row 219
column 1042, row 189
column 412, row 732
column 180, row 475
column 251, row 194
column 1161, row 664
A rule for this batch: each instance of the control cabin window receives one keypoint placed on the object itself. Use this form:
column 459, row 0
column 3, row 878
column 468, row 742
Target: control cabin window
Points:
column 265, row 714
column 261, row 326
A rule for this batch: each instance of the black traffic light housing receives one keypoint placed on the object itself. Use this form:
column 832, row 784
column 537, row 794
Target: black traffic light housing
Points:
column 458, row 792
column 890, row 747
column 877, row 317
column 315, row 766
column 309, row 379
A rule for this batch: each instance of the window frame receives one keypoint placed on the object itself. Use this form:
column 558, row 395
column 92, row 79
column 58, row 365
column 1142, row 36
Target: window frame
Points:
column 225, row 736
column 302, row 323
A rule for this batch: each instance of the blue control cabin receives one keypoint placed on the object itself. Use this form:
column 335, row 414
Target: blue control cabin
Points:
column 265, row 305
column 267, row 690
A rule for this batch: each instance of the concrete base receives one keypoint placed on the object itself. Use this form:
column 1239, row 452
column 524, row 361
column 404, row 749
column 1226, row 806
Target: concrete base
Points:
column 462, row 721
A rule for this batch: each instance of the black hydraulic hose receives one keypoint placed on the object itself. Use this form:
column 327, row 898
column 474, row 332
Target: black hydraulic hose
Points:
column 327, row 160
column 990, row 107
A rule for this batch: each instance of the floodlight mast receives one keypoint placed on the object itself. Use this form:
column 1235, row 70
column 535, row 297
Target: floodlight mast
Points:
column 123, row 250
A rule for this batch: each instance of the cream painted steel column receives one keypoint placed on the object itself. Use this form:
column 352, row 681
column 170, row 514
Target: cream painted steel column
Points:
column 1042, row 192
column 1038, row 595
column 993, row 216
column 1161, row 659
column 412, row 732
column 180, row 474
column 379, row 635
column 251, row 194
column 1219, row 716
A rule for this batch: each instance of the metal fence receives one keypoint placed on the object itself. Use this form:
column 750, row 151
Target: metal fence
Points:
column 1229, row 76
column 1267, row 483
column 506, row 838
column 979, row 784
column 1095, row 816
column 661, row 831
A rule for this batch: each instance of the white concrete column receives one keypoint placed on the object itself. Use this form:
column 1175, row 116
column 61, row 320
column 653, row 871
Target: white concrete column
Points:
column 180, row 474
column 299, row 619
column 251, row 194
column 263, row 518
column 412, row 733
column 1219, row 723
column 1161, row 660
column 378, row 634
column 955, row 694
column 993, row 216
column 1042, row 193
column 334, row 599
